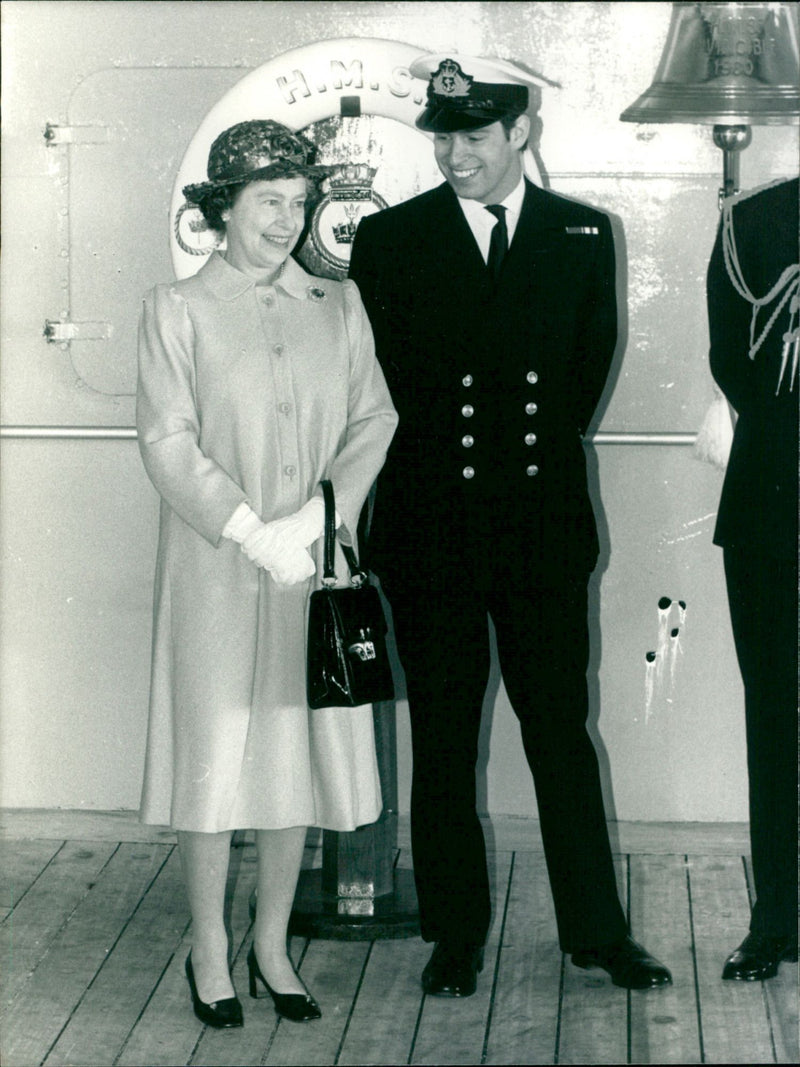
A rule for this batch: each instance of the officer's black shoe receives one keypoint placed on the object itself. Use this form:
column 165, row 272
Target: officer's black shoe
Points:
column 452, row 970
column 629, row 964
column 758, row 957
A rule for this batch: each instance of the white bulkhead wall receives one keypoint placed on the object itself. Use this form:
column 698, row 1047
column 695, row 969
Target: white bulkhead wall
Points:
column 121, row 89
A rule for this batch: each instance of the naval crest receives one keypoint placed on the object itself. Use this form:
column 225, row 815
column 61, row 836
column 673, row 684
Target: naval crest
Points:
column 450, row 80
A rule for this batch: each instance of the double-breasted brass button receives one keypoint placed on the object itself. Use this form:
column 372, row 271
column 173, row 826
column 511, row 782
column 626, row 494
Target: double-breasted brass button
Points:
column 467, row 440
column 468, row 472
column 531, row 408
column 532, row 471
column 468, row 411
column 532, row 377
column 530, row 438
column 467, row 380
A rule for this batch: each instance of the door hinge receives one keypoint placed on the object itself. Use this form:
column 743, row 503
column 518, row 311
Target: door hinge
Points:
column 56, row 135
column 60, row 331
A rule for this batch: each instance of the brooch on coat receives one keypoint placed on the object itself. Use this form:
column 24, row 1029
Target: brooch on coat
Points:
column 315, row 293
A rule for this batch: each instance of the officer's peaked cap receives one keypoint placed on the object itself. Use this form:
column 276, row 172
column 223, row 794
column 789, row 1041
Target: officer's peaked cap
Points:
column 465, row 92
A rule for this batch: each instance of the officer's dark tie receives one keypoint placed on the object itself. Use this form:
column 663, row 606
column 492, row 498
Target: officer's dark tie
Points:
column 498, row 246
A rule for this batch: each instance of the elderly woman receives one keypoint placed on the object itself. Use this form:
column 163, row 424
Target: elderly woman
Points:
column 256, row 380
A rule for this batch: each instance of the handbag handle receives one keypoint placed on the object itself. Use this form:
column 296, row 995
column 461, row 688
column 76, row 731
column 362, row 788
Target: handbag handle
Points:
column 357, row 575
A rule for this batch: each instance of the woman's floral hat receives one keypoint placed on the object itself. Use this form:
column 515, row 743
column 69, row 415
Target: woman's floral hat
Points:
column 259, row 148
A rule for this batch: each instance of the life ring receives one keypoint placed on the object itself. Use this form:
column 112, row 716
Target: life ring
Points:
column 331, row 90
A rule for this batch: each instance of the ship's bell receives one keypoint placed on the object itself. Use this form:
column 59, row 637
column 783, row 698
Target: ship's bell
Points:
column 726, row 64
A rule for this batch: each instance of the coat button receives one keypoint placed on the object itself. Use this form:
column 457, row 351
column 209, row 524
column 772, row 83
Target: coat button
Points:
column 467, row 380
column 530, row 438
column 278, row 350
column 267, row 300
column 531, row 409
column 284, row 408
column 467, row 440
column 290, row 471
column 468, row 411
column 468, row 472
column 532, row 377
column 532, row 471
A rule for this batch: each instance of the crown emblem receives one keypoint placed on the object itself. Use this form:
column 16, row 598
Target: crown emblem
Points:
column 450, row 80
column 348, row 199
column 350, row 185
column 352, row 181
column 197, row 224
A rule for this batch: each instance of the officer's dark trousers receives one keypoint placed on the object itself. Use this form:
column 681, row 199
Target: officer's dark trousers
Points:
column 542, row 637
column 762, row 596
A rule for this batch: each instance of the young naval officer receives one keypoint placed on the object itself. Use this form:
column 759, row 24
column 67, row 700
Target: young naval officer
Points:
column 493, row 307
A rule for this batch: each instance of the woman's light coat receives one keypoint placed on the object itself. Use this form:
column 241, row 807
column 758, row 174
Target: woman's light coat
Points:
column 251, row 393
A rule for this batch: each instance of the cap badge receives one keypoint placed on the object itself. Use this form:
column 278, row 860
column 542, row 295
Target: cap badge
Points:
column 450, row 80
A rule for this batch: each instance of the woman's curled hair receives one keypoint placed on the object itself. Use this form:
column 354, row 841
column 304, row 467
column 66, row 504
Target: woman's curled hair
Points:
column 215, row 203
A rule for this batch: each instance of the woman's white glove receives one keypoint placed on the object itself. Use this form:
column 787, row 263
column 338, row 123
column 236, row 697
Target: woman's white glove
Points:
column 287, row 563
column 243, row 522
column 280, row 546
column 302, row 528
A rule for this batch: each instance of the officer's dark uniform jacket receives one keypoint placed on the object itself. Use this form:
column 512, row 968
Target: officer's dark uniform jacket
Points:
column 494, row 387
column 758, row 530
column 758, row 507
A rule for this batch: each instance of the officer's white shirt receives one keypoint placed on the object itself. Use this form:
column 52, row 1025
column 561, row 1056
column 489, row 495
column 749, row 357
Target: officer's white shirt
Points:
column 482, row 222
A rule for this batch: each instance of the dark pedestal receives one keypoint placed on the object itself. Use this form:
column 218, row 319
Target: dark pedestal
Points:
column 358, row 894
column 325, row 915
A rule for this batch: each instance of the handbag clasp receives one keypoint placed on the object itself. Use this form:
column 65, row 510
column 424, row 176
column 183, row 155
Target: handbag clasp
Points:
column 363, row 649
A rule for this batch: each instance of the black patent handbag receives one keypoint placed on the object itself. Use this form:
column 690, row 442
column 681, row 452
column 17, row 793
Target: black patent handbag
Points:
column 347, row 663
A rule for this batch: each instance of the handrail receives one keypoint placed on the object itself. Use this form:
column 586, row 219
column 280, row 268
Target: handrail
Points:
column 128, row 433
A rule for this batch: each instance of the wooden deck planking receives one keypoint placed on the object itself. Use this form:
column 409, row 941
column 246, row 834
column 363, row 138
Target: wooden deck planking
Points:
column 59, row 983
column 734, row 1023
column 332, row 970
column 43, row 910
column 116, row 997
column 663, row 1022
column 524, row 1019
column 594, row 1012
column 167, row 1032
column 782, row 994
column 451, row 1029
column 387, row 1009
column 99, row 953
column 21, row 865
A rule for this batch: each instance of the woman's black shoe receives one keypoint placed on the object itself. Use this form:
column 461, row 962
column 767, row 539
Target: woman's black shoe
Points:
column 223, row 1014
column 297, row 1007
